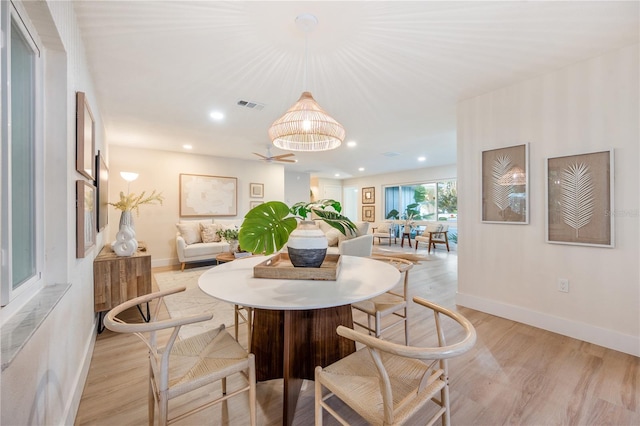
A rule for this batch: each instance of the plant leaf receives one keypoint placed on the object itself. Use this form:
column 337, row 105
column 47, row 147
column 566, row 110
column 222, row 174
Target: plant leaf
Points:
column 576, row 192
column 336, row 220
column 266, row 228
column 500, row 193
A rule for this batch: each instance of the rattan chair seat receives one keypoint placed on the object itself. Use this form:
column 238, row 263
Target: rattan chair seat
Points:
column 355, row 381
column 385, row 303
column 211, row 354
column 391, row 384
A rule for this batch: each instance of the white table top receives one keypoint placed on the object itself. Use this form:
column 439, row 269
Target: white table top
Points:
column 359, row 278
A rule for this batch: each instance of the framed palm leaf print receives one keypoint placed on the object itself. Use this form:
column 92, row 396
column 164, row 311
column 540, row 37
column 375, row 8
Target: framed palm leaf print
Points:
column 505, row 185
column 579, row 199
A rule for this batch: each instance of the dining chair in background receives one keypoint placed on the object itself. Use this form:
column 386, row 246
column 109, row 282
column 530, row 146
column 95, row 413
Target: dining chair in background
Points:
column 184, row 365
column 392, row 303
column 388, row 383
column 243, row 314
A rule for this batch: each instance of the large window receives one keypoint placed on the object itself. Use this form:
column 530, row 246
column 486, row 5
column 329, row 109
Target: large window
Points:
column 21, row 186
column 422, row 201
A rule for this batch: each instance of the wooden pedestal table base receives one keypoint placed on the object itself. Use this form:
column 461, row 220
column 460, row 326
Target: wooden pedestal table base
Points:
column 295, row 320
column 291, row 343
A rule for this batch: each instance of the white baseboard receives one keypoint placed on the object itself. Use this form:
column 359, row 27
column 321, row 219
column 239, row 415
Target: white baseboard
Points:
column 71, row 410
column 599, row 336
column 164, row 262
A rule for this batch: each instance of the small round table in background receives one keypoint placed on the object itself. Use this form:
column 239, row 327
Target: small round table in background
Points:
column 225, row 257
column 408, row 236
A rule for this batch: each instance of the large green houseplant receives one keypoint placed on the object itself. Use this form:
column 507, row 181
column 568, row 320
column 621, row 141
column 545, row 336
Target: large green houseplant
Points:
column 266, row 227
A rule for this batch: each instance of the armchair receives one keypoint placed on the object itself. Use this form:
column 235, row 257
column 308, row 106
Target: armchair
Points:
column 385, row 230
column 434, row 234
column 387, row 383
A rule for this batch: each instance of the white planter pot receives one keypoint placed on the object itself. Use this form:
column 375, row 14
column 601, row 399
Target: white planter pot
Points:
column 307, row 245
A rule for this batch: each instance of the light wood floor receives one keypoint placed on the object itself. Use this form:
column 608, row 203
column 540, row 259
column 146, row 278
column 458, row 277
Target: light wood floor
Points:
column 515, row 375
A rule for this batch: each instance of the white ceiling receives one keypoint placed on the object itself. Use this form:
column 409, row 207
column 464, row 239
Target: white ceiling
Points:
column 391, row 72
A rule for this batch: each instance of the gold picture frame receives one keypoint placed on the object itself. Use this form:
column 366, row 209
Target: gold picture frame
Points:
column 368, row 214
column 368, row 195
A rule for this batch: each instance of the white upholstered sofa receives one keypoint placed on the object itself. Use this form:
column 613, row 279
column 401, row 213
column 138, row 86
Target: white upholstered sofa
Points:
column 191, row 247
column 196, row 240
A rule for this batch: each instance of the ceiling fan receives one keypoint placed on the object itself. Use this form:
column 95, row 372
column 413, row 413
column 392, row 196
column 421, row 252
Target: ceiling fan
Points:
column 282, row 158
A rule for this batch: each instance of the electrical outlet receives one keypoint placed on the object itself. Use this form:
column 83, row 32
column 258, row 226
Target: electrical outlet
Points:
column 563, row 285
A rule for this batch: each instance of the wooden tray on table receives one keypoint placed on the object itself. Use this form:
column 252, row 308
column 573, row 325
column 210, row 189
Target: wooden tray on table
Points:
column 280, row 267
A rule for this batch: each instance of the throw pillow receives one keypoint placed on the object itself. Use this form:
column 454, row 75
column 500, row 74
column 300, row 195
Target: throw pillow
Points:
column 208, row 233
column 333, row 235
column 190, row 231
column 324, row 226
column 383, row 228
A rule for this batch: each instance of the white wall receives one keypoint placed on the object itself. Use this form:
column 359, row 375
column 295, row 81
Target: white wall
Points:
column 160, row 170
column 44, row 382
column 431, row 174
column 509, row 270
column 296, row 187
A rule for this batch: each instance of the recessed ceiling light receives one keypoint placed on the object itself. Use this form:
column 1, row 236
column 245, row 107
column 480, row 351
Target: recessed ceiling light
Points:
column 422, row 158
column 216, row 115
column 361, row 169
column 351, row 144
column 337, row 175
column 187, row 146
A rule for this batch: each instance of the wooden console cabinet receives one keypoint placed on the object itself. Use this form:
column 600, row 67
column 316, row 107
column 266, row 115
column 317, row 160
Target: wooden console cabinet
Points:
column 117, row 279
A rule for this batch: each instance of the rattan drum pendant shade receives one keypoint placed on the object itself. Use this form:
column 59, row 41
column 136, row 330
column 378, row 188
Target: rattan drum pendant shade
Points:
column 306, row 127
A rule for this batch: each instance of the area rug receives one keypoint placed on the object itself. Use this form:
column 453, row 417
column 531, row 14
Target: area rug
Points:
column 193, row 301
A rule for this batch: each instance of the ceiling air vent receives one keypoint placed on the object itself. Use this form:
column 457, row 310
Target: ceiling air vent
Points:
column 251, row 105
column 390, row 154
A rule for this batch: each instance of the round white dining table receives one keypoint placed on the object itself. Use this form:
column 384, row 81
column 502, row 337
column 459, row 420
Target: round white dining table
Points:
column 359, row 278
column 295, row 321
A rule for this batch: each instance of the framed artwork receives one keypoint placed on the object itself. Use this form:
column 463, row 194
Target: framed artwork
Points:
column 85, row 137
column 256, row 190
column 579, row 199
column 505, row 185
column 368, row 195
column 202, row 195
column 85, row 217
column 253, row 204
column 102, row 190
column 368, row 214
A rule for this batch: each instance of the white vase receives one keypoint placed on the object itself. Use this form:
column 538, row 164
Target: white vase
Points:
column 126, row 219
column 307, row 245
column 125, row 243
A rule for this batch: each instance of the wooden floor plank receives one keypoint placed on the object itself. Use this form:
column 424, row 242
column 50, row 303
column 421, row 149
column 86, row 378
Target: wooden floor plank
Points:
column 515, row 374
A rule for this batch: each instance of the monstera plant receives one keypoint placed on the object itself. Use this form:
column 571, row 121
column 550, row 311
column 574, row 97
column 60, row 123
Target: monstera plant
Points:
column 266, row 227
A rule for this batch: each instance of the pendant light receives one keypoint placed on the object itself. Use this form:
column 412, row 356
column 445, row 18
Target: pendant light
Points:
column 306, row 126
